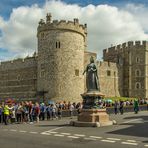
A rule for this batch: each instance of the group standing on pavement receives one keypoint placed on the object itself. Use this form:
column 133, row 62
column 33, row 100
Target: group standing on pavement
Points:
column 28, row 112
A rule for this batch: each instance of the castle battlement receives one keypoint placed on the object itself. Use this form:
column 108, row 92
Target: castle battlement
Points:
column 106, row 64
column 62, row 25
column 129, row 44
column 18, row 63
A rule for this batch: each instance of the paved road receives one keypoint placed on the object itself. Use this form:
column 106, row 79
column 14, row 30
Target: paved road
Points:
column 131, row 131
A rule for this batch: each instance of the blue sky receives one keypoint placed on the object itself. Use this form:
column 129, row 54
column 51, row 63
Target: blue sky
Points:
column 6, row 6
column 137, row 11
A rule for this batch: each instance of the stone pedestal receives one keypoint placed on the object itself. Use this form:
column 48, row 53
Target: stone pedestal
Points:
column 93, row 118
column 92, row 114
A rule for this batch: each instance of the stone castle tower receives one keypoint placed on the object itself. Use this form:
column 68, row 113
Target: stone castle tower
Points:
column 132, row 58
column 61, row 48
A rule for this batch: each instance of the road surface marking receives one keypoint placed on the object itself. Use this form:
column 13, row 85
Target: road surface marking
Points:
column 13, row 130
column 131, row 140
column 54, row 129
column 72, row 137
column 111, row 141
column 58, row 135
column 90, row 139
column 95, row 137
column 22, row 131
column 33, row 132
column 5, row 129
column 133, row 120
column 129, row 143
column 146, row 145
column 79, row 135
column 66, row 133
column 43, row 133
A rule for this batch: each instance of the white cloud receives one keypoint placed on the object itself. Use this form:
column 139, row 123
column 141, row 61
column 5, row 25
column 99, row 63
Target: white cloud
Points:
column 140, row 13
column 106, row 25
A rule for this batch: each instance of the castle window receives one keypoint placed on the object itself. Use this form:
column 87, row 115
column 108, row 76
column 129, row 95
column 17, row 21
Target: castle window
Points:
column 77, row 72
column 19, row 77
column 42, row 74
column 34, row 77
column 137, row 73
column 137, row 60
column 138, row 85
column 58, row 44
column 108, row 73
column 42, row 35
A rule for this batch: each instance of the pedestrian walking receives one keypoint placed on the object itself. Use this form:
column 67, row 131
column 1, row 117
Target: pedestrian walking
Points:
column 19, row 113
column 30, row 107
column 121, row 107
column 71, row 109
column 37, row 112
column 116, row 106
column 1, row 113
column 136, row 106
column 6, row 114
column 59, row 112
column 54, row 109
column 49, row 112
column 43, row 111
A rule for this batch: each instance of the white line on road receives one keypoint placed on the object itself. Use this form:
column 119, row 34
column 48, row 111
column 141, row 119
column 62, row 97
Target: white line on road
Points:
column 58, row 135
column 33, row 132
column 54, row 129
column 44, row 133
column 66, row 133
column 129, row 143
column 22, row 131
column 111, row 141
column 79, row 135
column 133, row 120
column 131, row 140
column 13, row 130
column 95, row 137
column 90, row 139
column 146, row 145
column 72, row 137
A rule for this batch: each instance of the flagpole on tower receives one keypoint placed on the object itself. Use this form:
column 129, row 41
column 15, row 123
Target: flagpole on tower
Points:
column 46, row 11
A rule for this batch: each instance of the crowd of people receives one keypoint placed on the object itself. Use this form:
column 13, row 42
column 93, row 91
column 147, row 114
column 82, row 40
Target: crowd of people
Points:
column 127, row 102
column 29, row 112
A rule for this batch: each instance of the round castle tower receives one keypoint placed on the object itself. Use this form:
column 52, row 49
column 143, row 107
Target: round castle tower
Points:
column 61, row 48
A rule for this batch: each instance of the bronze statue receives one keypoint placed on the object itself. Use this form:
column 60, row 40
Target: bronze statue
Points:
column 92, row 81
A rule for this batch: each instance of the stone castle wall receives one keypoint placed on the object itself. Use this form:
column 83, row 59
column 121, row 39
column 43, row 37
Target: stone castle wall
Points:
column 132, row 58
column 18, row 78
column 58, row 69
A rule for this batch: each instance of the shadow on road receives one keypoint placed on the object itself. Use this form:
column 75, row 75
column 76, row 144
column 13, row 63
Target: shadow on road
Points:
column 52, row 125
column 139, row 129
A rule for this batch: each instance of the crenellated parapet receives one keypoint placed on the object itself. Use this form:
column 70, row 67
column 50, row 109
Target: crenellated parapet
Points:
column 74, row 25
column 106, row 65
column 128, row 45
column 19, row 63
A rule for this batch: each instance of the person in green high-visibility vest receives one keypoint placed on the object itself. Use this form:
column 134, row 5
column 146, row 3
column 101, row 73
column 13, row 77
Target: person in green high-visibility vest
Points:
column 136, row 106
column 6, row 114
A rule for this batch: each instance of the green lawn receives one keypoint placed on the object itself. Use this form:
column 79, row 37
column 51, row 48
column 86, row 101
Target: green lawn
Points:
column 118, row 98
